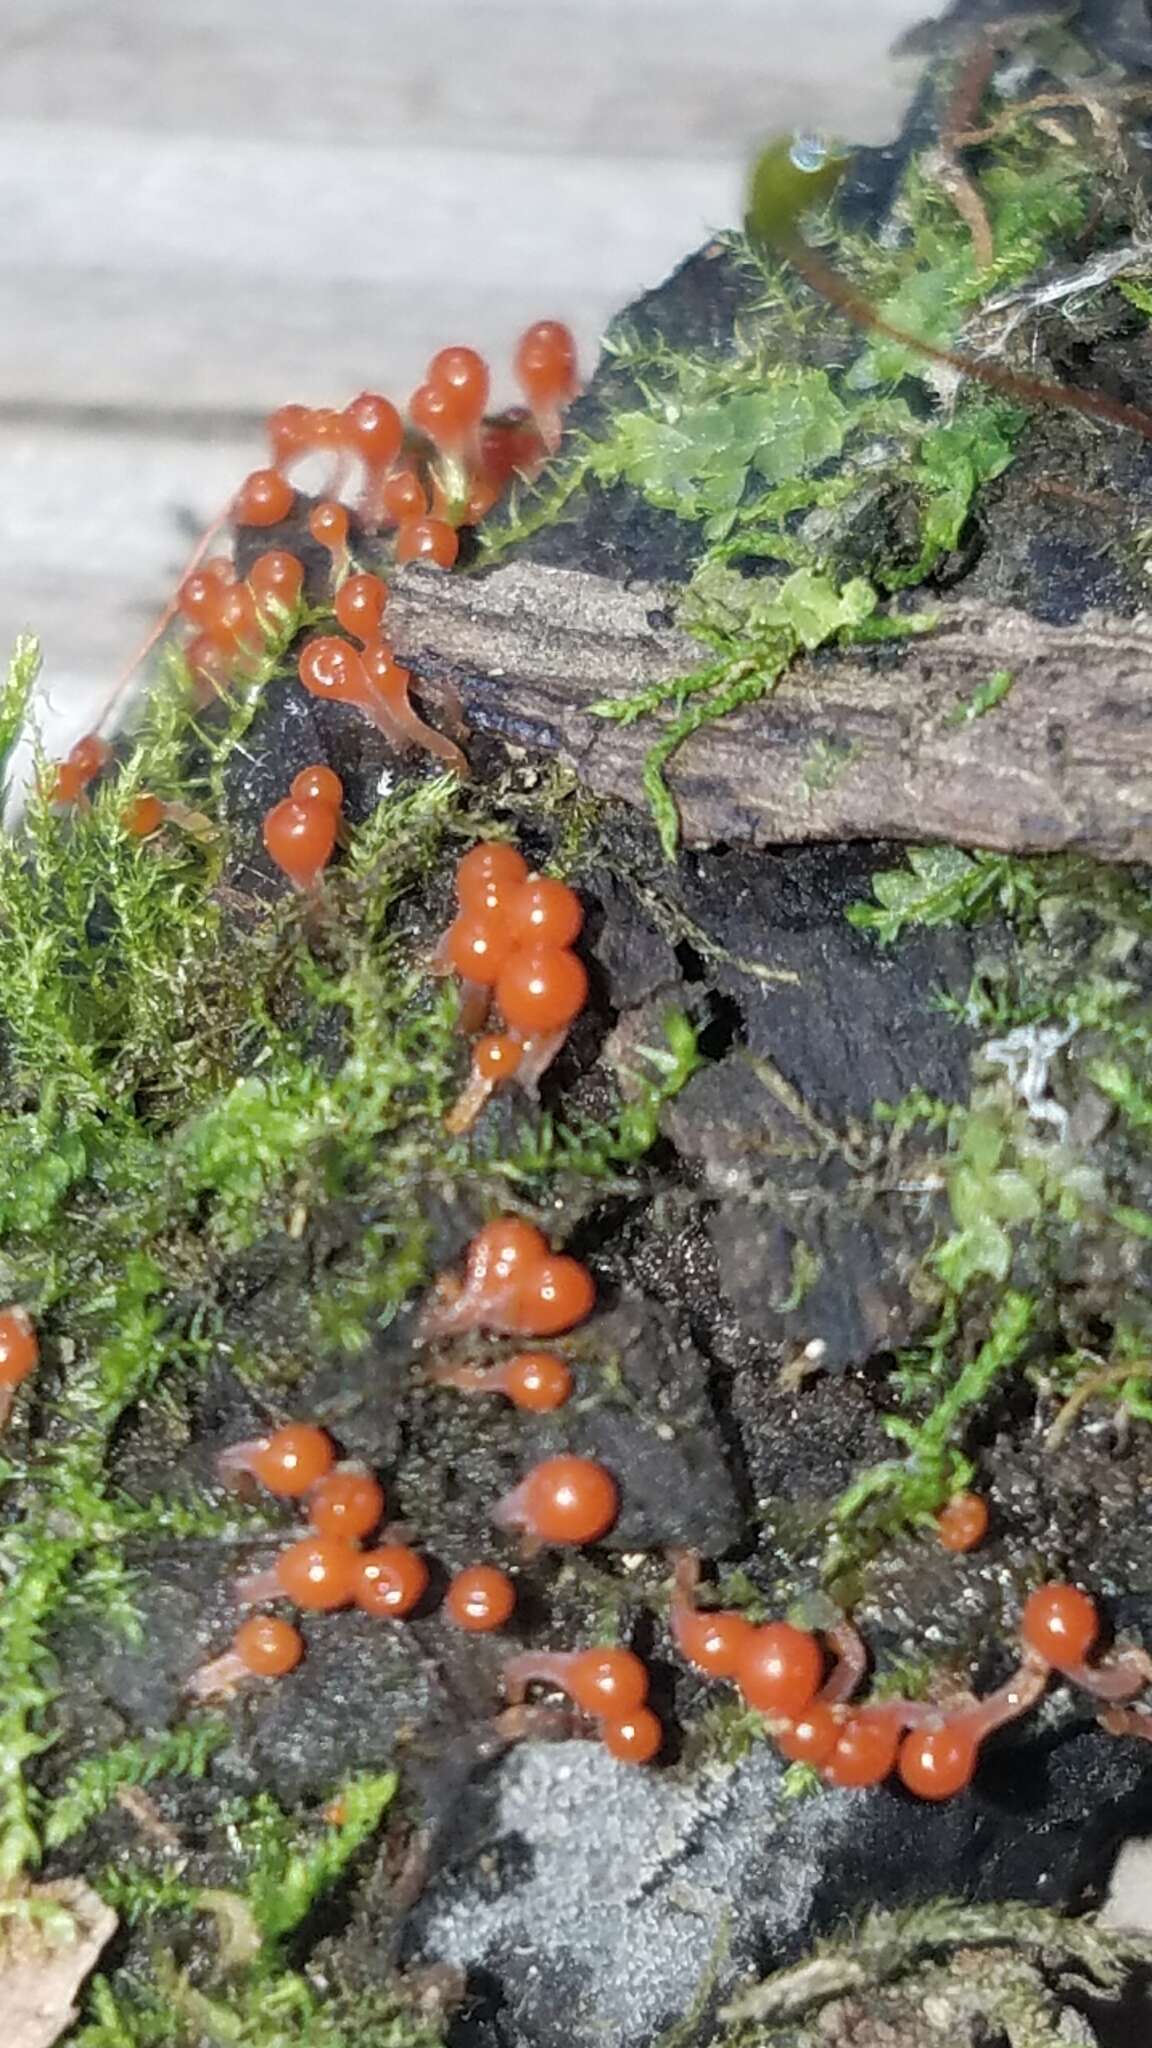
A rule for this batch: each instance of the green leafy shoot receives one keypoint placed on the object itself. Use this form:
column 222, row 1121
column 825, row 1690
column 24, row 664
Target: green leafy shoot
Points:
column 943, row 885
column 984, row 699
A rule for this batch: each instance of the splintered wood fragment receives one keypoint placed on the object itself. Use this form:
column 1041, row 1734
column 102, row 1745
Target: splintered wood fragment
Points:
column 43, row 1963
column 862, row 743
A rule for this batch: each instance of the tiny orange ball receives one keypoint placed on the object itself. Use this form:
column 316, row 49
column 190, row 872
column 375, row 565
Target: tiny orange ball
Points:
column 264, row 499
column 294, row 1459
column 318, row 784
column 551, row 1298
column 359, row 606
column 811, row 1737
column 963, row 1523
column 19, row 1349
column 319, row 1572
column 780, row 1669
column 713, row 1642
column 477, row 948
column 537, row 1381
column 480, row 1598
column 506, row 1246
column 403, row 497
column 347, row 1504
column 496, row 1057
column 935, row 1763
column 328, row 524
column 541, row 990
column 143, row 816
column 389, row 1581
column 633, row 1739
column 609, row 1681
column 300, row 837
column 1060, row 1624
column 427, row 540
column 865, row 1751
column 276, row 578
column 268, row 1646
column 569, row 1500
column 373, row 429
column 90, row 755
column 489, row 875
column 545, row 913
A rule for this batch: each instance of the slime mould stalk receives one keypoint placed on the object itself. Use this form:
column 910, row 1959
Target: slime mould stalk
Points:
column 788, row 179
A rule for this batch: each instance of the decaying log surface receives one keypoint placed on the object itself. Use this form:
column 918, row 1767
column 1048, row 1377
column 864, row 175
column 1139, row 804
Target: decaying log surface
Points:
column 1063, row 762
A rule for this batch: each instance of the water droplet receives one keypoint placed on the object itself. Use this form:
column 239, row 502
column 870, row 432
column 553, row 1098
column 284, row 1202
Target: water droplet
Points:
column 808, row 152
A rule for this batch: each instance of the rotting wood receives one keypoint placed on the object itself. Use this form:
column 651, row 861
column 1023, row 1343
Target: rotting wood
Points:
column 1063, row 763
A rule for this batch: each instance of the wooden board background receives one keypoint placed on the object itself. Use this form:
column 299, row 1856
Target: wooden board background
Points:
column 210, row 206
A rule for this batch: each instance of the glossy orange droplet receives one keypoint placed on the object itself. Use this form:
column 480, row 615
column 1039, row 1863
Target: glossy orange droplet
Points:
column 1060, row 1623
column 633, row 1739
column 544, row 913
column 480, row 1598
column 489, row 875
column 293, row 1459
column 300, row 838
column 143, row 816
column 565, row 1500
column 264, row 499
column 19, row 1349
column 780, row 1668
column 347, row 1504
column 541, row 990
column 318, row 784
column 268, row 1646
column 319, row 1572
column 963, row 1523
column 390, row 1581
column 935, row 1763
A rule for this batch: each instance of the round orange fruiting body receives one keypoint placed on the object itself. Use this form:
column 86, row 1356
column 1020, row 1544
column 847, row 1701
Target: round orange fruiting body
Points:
column 346, row 1504
column 293, row 1459
column 427, row 540
column 235, row 623
column 373, row 429
column 549, row 1299
column 963, row 1523
column 810, row 1737
column 536, row 1381
column 545, row 364
column 713, row 1642
column 264, row 499
column 90, row 755
column 506, row 1246
column 276, row 578
column 544, row 912
column 477, row 948
column 318, row 784
column 288, row 430
column 489, row 875
column 607, row 1682
column 333, row 668
column 359, row 605
column 328, row 524
column 440, row 412
column 403, row 497
column 634, row 1738
column 541, row 990
column 481, row 1597
column 935, row 1763
column 1060, row 1624
column 566, row 1500
column 496, row 1057
column 208, row 662
column 199, row 595
column 268, row 1646
column 780, row 1669
column 465, row 374
column 865, row 1751
column 390, row 1581
column 319, row 1572
column 143, row 816
column 300, row 837
column 19, row 1348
